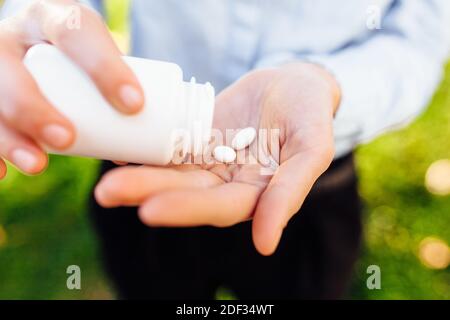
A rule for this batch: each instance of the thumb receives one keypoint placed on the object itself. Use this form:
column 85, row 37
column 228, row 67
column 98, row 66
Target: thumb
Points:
column 285, row 195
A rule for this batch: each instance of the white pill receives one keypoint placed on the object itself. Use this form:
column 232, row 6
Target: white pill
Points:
column 224, row 154
column 244, row 138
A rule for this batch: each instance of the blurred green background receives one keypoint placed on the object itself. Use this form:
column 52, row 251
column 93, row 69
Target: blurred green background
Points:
column 44, row 226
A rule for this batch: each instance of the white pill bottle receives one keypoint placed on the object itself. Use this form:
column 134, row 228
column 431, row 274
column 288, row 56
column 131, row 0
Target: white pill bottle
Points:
column 177, row 116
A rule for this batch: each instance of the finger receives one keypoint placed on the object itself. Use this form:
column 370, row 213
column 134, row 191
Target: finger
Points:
column 90, row 45
column 2, row 169
column 282, row 198
column 24, row 108
column 21, row 152
column 220, row 206
column 131, row 186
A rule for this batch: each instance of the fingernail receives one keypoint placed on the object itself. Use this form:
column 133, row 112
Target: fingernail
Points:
column 25, row 160
column 57, row 136
column 131, row 97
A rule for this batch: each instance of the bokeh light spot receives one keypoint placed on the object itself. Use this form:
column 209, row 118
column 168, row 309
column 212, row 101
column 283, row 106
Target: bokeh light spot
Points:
column 434, row 253
column 437, row 178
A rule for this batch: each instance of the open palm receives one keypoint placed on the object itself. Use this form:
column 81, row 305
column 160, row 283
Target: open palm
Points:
column 298, row 100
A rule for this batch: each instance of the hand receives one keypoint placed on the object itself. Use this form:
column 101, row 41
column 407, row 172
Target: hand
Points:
column 27, row 120
column 300, row 100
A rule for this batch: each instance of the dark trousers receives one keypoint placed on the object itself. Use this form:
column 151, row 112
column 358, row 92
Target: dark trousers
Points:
column 314, row 260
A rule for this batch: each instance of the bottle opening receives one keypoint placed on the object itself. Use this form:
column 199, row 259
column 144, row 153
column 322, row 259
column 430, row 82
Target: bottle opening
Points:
column 195, row 131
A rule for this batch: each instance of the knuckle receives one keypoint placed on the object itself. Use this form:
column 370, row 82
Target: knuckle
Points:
column 25, row 109
column 108, row 83
column 18, row 113
column 14, row 109
column 71, row 19
column 60, row 34
column 36, row 8
column 108, row 70
column 97, row 68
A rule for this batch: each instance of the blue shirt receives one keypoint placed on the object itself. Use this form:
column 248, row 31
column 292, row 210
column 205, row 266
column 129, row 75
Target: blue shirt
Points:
column 387, row 55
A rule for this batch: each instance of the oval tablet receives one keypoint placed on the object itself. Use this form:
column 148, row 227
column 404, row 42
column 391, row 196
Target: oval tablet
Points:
column 224, row 154
column 244, row 138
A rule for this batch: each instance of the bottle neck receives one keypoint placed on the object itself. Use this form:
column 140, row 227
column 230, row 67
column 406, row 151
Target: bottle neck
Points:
column 198, row 101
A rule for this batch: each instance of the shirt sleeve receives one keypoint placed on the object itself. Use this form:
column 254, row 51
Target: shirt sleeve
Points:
column 387, row 78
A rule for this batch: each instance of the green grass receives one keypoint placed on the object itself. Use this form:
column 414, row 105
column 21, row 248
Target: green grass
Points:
column 399, row 211
column 44, row 225
column 46, row 229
